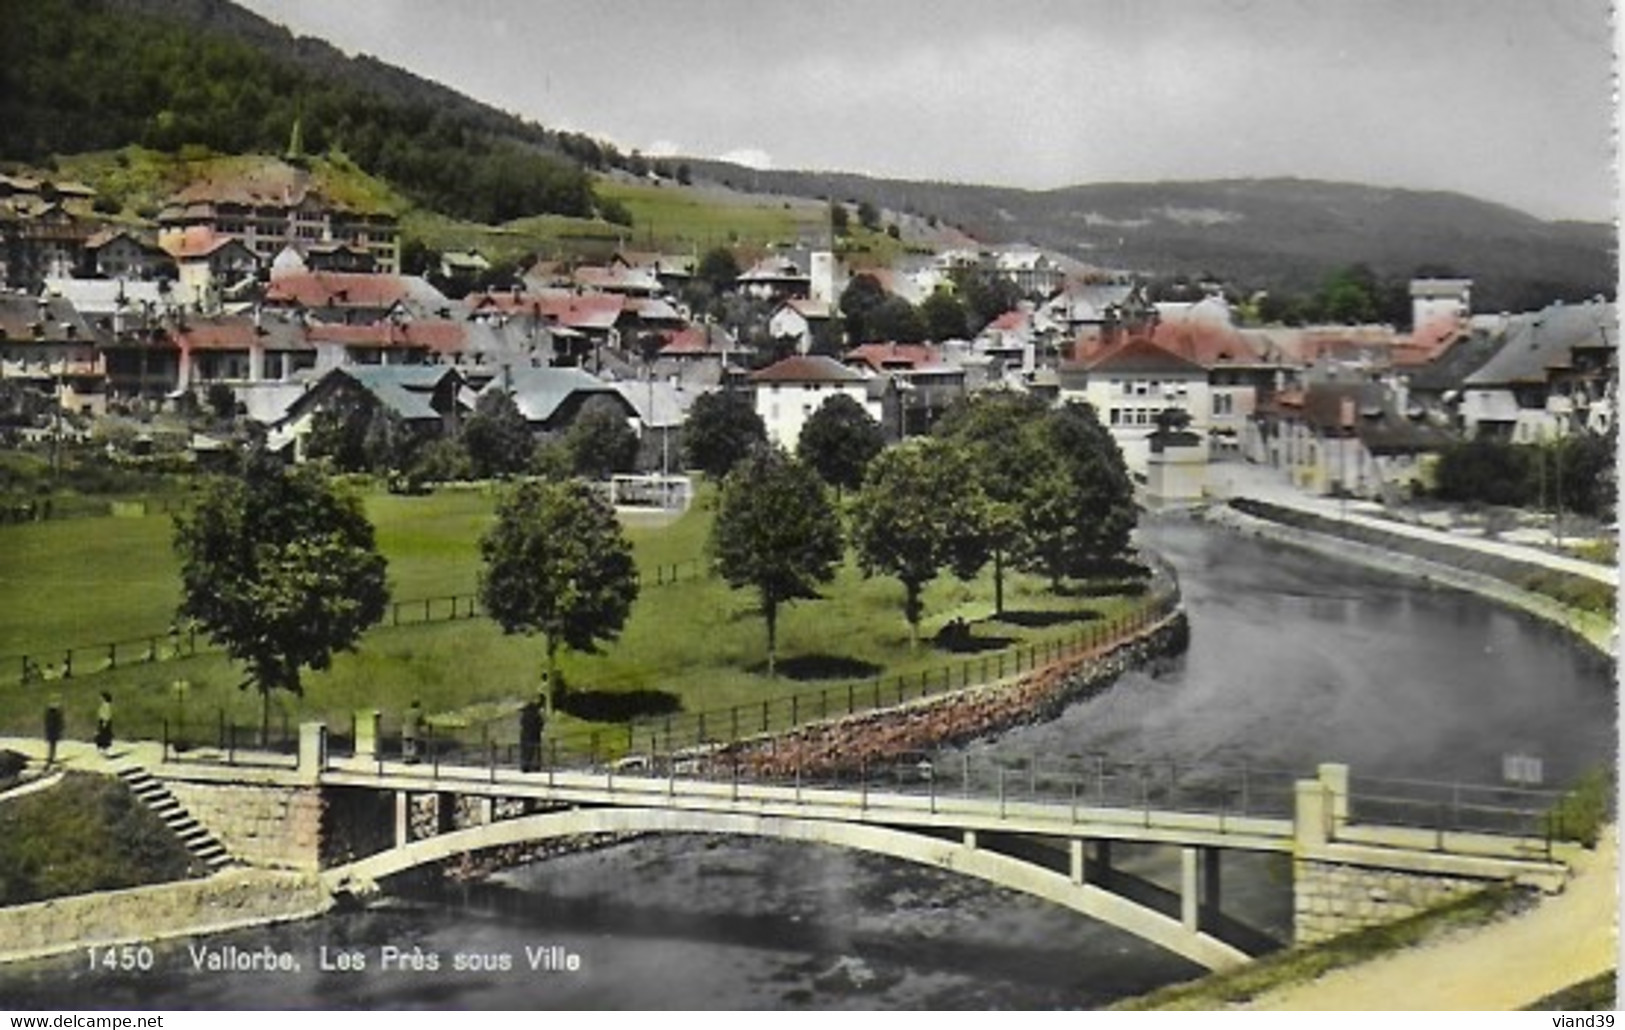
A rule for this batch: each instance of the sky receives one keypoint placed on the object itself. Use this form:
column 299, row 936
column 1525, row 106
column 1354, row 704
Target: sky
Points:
column 1507, row 100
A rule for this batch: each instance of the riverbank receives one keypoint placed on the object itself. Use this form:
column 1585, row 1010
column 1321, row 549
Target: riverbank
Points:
column 1398, row 555
column 230, row 900
column 1505, row 958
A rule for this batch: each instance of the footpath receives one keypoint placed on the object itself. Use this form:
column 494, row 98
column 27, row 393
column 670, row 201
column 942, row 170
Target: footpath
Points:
column 1564, row 939
column 1268, row 485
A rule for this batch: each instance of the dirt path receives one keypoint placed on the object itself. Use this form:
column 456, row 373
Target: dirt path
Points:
column 1566, row 938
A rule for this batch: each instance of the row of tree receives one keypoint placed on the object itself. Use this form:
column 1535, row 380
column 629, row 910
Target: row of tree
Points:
column 1007, row 481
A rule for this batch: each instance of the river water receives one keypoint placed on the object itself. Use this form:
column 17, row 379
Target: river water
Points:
column 1293, row 660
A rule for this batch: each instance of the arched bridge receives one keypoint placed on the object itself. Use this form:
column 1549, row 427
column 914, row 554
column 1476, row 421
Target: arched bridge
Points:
column 362, row 820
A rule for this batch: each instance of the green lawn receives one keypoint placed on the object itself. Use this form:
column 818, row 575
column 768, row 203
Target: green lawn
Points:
column 690, row 645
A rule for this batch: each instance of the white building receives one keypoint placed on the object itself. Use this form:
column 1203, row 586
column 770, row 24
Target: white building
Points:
column 1130, row 384
column 789, row 391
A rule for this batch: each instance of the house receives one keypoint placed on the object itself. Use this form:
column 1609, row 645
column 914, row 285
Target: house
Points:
column 276, row 204
column 926, row 383
column 662, row 407
column 1554, row 374
column 1100, row 312
column 1130, row 384
column 799, row 319
column 47, row 347
column 120, row 254
column 790, row 390
column 43, row 229
column 425, row 398
column 775, row 277
column 1440, row 308
column 355, row 298
column 209, row 268
column 1034, row 272
column 1348, row 438
column 552, row 398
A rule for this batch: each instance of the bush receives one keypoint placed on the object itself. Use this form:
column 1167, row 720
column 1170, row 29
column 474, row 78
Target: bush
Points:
column 1583, row 811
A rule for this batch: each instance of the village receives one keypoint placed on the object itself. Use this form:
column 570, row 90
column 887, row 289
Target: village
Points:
column 295, row 304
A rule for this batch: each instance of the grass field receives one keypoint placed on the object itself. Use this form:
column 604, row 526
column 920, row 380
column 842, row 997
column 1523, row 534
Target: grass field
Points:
column 690, row 645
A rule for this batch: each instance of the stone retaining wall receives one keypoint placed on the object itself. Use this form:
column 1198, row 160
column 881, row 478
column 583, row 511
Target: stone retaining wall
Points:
column 1329, row 899
column 262, row 824
column 848, row 743
column 228, row 900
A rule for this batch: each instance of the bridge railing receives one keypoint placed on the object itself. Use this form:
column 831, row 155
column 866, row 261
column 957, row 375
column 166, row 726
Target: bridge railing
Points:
column 1498, row 810
column 1094, row 780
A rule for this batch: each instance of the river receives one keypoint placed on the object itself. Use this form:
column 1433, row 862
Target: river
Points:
column 1293, row 660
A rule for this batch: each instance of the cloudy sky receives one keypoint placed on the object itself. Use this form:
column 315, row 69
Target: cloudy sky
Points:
column 1508, row 100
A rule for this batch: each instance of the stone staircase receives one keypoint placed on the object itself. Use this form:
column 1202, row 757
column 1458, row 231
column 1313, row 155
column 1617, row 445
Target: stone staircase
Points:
column 150, row 791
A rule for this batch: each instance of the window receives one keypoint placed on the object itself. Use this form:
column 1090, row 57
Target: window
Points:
column 1117, row 416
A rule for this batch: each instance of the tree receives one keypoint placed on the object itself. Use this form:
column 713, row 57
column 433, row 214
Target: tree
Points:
column 839, row 440
column 497, row 437
column 986, row 295
column 893, row 319
column 1078, row 511
column 600, row 443
column 868, row 216
column 839, row 218
column 918, row 514
column 718, row 270
column 861, row 297
column 558, row 565
column 720, row 430
column 281, row 570
column 776, row 532
column 944, row 316
column 1003, row 441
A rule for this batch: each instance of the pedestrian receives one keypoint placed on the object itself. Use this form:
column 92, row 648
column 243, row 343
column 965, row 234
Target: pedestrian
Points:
column 530, row 737
column 104, row 723
column 53, row 730
column 411, row 731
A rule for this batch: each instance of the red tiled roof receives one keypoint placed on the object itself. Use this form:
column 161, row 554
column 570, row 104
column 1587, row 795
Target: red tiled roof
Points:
column 1140, row 355
column 337, row 289
column 195, row 242
column 441, row 336
column 1009, row 320
column 806, row 368
column 216, row 334
column 1205, row 344
column 693, row 342
column 894, row 355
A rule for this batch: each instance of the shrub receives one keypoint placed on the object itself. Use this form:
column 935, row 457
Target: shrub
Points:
column 1583, row 811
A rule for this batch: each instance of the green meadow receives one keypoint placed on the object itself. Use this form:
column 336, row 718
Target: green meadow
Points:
column 690, row 645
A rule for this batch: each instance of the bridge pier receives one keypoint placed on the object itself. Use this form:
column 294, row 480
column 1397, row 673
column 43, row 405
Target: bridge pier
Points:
column 1198, row 885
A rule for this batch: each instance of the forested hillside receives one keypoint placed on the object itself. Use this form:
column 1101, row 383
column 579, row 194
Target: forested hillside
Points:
column 97, row 75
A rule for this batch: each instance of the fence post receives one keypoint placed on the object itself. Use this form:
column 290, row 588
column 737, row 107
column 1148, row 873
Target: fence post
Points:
column 851, row 697
column 863, row 777
column 795, row 710
column 764, row 716
column 231, row 745
column 964, row 774
column 1001, row 792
